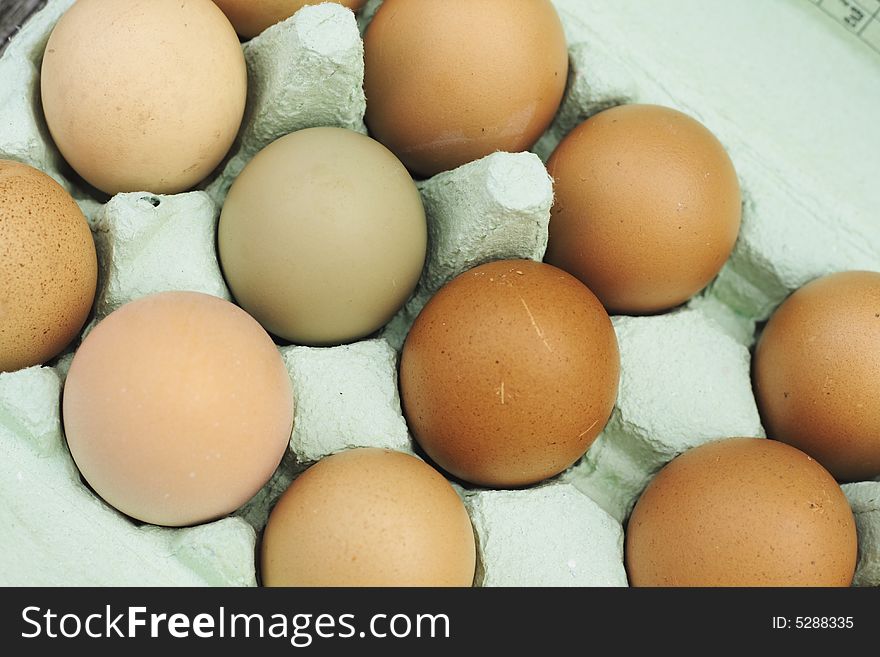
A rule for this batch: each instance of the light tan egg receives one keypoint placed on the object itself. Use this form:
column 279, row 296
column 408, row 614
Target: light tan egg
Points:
column 48, row 267
column 323, row 236
column 369, row 517
column 509, row 373
column 143, row 95
column 647, row 207
column 451, row 81
column 251, row 17
column 177, row 408
column 817, row 373
column 742, row 512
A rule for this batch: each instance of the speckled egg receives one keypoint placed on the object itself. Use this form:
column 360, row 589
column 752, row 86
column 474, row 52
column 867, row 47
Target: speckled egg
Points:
column 742, row 512
column 369, row 517
column 143, row 95
column 48, row 267
column 509, row 373
column 817, row 373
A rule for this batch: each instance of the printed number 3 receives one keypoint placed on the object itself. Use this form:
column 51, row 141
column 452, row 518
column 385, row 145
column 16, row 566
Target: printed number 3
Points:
column 855, row 17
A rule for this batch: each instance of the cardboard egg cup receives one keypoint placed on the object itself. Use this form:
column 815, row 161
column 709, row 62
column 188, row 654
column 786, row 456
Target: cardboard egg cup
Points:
column 685, row 375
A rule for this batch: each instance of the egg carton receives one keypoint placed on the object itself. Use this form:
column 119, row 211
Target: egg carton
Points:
column 684, row 375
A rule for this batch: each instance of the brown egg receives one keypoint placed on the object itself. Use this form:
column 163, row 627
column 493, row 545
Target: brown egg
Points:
column 177, row 408
column 647, row 207
column 817, row 373
column 250, row 18
column 509, row 373
column 143, row 95
column 323, row 236
column 48, row 268
column 451, row 81
column 369, row 517
column 742, row 512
